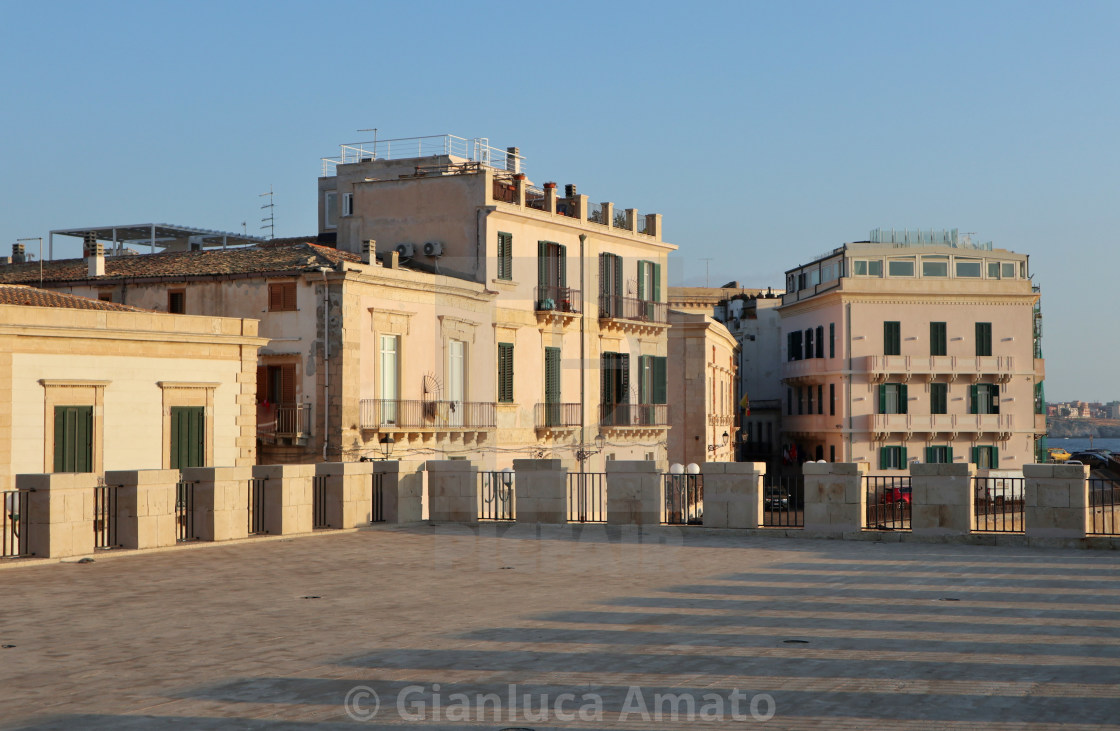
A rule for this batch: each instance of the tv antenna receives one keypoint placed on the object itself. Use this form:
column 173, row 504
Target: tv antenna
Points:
column 269, row 221
column 706, row 261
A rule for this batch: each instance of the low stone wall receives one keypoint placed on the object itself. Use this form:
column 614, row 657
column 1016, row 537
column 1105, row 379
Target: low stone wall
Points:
column 541, row 487
column 452, row 491
column 635, row 493
column 942, row 499
column 835, row 499
column 733, row 494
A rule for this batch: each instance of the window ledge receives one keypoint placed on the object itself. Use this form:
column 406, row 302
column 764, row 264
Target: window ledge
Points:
column 505, row 283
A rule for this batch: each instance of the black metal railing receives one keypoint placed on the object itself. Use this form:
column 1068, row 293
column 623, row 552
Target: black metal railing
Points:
column 184, row 512
column 783, row 501
column 14, row 531
column 999, row 504
column 888, row 502
column 684, row 499
column 283, row 420
column 390, row 413
column 552, row 415
column 617, row 307
column 557, row 299
column 377, row 498
column 495, row 490
column 587, row 497
column 1104, row 500
column 257, row 506
column 105, row 516
column 319, row 502
column 633, row 414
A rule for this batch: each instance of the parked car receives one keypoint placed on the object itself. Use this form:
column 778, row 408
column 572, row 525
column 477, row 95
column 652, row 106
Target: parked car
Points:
column 896, row 495
column 1095, row 460
column 775, row 499
column 1058, row 454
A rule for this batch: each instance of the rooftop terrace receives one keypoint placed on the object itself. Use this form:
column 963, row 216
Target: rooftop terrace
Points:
column 279, row 633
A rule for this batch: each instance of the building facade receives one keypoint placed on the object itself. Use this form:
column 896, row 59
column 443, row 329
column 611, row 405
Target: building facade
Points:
column 89, row 386
column 702, row 406
column 913, row 347
column 579, row 334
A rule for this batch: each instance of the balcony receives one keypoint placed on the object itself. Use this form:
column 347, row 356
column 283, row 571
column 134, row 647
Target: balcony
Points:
column 883, row 424
column 632, row 314
column 557, row 305
column 634, row 415
column 397, row 415
column 284, row 423
column 975, row 367
column 556, row 416
column 796, row 370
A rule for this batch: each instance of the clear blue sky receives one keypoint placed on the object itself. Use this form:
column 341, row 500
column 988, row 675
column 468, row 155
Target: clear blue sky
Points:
column 765, row 133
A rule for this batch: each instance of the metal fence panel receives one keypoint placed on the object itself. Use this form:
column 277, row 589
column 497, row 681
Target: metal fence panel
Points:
column 783, row 501
column 496, row 495
column 184, row 512
column 587, row 497
column 377, row 498
column 14, row 523
column 256, row 506
column 999, row 504
column 105, row 516
column 888, row 502
column 1104, row 500
column 319, row 502
column 684, row 499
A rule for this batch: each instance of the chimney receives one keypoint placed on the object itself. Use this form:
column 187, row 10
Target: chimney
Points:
column 513, row 159
column 18, row 257
column 392, row 260
column 96, row 260
column 369, row 251
column 87, row 246
column 570, row 190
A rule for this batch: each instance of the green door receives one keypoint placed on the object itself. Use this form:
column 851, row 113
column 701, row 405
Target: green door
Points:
column 73, row 439
column 188, row 437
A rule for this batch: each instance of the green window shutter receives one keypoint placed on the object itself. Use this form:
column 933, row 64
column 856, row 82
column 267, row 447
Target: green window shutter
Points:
column 994, row 452
column 949, row 454
column 188, row 437
column 929, row 455
column 903, row 401
column 604, row 273
column 643, row 379
column 505, row 256
column 505, row 372
column 882, row 398
column 622, row 385
column 994, row 391
column 61, row 442
column 902, row 458
column 542, row 263
column 660, row 387
column 975, row 455
column 973, row 399
column 656, row 282
column 73, row 439
column 562, row 264
column 832, row 340
column 552, row 375
column 606, row 380
column 641, row 280
column 618, row 290
column 884, row 459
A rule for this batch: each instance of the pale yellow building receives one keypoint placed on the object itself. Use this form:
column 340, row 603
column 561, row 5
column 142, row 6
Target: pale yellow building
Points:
column 578, row 337
column 702, row 404
column 89, row 386
column 915, row 346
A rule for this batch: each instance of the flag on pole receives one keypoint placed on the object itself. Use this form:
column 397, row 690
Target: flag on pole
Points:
column 745, row 403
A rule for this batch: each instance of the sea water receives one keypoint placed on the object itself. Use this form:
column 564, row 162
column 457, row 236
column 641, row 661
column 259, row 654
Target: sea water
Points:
column 1077, row 444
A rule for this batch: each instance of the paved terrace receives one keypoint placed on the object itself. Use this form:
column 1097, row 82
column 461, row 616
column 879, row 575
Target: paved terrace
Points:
column 899, row 635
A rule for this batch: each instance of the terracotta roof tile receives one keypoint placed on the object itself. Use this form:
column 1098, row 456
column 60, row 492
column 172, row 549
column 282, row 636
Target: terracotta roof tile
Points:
column 11, row 294
column 285, row 255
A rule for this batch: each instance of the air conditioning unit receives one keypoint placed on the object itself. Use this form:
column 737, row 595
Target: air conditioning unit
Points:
column 433, row 248
column 406, row 250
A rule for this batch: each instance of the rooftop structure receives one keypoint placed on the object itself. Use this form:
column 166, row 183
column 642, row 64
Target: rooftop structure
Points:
column 162, row 236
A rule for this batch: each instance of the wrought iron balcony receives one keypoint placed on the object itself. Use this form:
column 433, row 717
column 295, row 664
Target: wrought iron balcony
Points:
column 633, row 414
column 288, row 421
column 617, row 307
column 555, row 416
column 397, row 414
column 558, row 299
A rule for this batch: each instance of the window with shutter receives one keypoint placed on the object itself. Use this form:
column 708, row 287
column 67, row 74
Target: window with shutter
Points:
column 281, row 296
column 892, row 338
column 892, row 398
column 983, row 338
column 832, row 340
column 73, row 438
column 188, row 437
column 552, row 375
column 938, row 398
column 505, row 372
column 505, row 256
column 660, row 386
column 820, row 341
column 938, row 343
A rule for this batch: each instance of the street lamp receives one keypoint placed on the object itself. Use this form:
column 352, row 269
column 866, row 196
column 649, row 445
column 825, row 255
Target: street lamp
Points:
column 386, row 443
column 714, row 447
column 582, row 454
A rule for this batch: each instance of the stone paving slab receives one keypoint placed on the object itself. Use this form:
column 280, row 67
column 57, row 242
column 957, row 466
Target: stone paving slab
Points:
column 623, row 624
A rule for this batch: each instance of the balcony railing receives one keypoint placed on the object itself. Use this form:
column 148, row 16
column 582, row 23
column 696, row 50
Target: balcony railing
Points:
column 887, row 365
column 617, row 307
column 293, row 420
column 556, row 415
column 633, row 414
column 558, row 299
column 398, row 413
column 968, row 423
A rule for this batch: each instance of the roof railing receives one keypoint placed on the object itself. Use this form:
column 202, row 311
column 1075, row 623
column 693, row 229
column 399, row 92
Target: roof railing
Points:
column 476, row 149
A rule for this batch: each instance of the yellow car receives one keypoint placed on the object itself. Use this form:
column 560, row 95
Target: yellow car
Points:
column 1057, row 454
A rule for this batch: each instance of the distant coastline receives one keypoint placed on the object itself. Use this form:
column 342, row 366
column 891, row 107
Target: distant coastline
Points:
column 1083, row 428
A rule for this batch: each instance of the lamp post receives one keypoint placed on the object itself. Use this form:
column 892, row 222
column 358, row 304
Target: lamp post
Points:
column 714, row 447
column 582, row 454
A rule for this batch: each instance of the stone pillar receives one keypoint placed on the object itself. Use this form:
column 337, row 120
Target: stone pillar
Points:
column 452, row 491
column 941, row 498
column 146, row 502
column 653, row 225
column 349, row 487
column 581, row 203
column 1056, row 501
column 835, row 501
column 406, row 501
column 288, row 490
column 550, row 197
column 732, row 494
column 635, row 493
column 541, row 487
column 221, row 501
column 632, row 220
column 60, row 513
